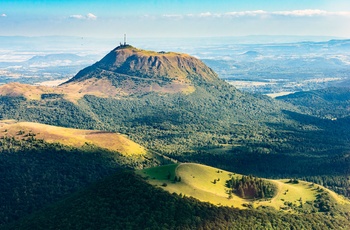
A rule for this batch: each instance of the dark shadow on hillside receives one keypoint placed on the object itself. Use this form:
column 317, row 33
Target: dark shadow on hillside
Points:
column 275, row 165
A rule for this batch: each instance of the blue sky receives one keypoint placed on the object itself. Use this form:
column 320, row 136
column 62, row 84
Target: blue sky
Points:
column 176, row 18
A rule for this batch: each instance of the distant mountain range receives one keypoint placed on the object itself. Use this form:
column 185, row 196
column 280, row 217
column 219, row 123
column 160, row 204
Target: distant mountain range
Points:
column 54, row 60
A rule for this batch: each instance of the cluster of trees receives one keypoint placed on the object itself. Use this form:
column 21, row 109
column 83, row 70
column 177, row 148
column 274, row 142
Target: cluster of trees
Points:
column 323, row 202
column 250, row 187
column 125, row 201
column 337, row 183
column 176, row 178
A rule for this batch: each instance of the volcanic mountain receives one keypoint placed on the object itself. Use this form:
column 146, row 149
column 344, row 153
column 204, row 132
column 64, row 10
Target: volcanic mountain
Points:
column 127, row 70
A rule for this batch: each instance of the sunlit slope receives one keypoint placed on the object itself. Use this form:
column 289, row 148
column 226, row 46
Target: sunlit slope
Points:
column 72, row 92
column 71, row 137
column 208, row 184
column 29, row 92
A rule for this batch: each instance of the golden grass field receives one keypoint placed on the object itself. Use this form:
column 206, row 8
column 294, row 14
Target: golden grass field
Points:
column 72, row 137
column 197, row 181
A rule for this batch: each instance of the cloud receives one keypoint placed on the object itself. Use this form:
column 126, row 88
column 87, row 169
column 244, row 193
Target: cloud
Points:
column 310, row 13
column 246, row 13
column 301, row 13
column 77, row 16
column 3, row 15
column 206, row 14
column 89, row 16
column 292, row 13
column 209, row 15
column 263, row 14
column 173, row 16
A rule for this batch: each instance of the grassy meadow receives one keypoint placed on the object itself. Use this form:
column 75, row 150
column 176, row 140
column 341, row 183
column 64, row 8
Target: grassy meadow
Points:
column 208, row 184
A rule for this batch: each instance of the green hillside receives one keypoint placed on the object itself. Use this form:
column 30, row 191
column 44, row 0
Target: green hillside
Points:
column 125, row 201
column 209, row 184
column 41, row 164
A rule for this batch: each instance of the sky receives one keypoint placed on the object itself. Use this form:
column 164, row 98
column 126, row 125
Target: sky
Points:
column 174, row 18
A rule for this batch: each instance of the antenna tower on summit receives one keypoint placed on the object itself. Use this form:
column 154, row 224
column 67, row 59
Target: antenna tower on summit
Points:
column 125, row 39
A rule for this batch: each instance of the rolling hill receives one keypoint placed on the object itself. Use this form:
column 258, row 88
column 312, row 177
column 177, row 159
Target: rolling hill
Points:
column 71, row 137
column 209, row 184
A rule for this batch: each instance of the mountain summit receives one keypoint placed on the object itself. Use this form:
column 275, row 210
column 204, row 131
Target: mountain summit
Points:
column 133, row 70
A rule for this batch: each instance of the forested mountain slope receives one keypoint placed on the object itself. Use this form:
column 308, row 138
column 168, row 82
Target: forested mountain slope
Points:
column 41, row 164
column 125, row 201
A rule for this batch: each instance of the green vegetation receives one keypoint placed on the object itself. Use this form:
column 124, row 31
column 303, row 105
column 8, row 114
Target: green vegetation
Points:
column 165, row 172
column 198, row 181
column 329, row 103
column 224, row 188
column 330, row 170
column 249, row 187
column 35, row 173
column 125, row 201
